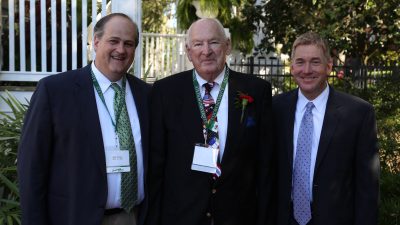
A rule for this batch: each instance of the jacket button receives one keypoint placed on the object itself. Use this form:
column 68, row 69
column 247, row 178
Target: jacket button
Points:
column 208, row 214
column 214, row 191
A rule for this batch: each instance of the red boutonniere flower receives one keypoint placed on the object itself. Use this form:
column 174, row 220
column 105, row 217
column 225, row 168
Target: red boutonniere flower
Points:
column 242, row 101
column 340, row 75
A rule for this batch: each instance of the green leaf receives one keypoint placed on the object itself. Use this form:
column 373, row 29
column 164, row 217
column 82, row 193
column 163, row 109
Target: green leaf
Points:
column 12, row 186
column 9, row 220
column 10, row 202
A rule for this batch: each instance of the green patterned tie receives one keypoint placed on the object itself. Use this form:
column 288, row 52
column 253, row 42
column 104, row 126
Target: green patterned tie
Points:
column 129, row 179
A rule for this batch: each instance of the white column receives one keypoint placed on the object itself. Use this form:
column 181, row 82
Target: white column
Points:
column 132, row 8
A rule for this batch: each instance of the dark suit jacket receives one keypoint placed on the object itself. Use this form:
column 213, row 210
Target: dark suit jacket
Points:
column 346, row 176
column 181, row 196
column 61, row 160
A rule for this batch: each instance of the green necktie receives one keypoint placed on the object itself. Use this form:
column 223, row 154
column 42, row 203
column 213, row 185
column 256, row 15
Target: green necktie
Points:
column 129, row 179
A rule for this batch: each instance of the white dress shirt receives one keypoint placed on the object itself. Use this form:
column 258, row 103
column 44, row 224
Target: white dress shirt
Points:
column 109, row 135
column 318, row 118
column 222, row 114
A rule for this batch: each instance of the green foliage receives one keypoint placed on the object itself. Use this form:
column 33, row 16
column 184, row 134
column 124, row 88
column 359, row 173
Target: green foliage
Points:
column 390, row 199
column 154, row 14
column 186, row 14
column 242, row 36
column 10, row 129
column 369, row 29
column 240, row 27
column 10, row 212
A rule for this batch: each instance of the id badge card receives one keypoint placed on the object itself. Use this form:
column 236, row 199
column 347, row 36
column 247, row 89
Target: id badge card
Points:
column 205, row 158
column 117, row 161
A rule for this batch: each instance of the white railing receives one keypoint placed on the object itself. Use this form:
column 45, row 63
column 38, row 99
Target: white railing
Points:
column 44, row 37
column 50, row 36
column 52, row 32
column 163, row 55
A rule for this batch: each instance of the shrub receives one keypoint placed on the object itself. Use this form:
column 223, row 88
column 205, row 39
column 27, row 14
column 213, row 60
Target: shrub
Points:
column 10, row 129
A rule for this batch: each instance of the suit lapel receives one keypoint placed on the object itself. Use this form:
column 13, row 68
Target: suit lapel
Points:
column 140, row 98
column 190, row 110
column 86, row 103
column 289, row 116
column 331, row 120
column 235, row 128
column 140, row 102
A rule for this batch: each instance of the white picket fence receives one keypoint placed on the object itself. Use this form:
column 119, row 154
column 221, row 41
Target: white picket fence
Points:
column 46, row 37
column 50, row 36
column 163, row 55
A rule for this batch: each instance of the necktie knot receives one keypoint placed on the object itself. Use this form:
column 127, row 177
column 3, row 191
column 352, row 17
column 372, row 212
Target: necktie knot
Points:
column 116, row 87
column 208, row 87
column 309, row 106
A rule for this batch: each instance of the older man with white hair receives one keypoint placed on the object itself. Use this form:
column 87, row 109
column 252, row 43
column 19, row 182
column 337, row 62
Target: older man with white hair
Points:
column 210, row 159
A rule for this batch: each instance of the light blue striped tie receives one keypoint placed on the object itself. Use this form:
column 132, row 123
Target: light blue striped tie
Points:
column 301, row 173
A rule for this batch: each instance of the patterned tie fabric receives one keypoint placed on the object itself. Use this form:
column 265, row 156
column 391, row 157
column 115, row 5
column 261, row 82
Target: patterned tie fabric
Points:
column 212, row 130
column 129, row 179
column 301, row 173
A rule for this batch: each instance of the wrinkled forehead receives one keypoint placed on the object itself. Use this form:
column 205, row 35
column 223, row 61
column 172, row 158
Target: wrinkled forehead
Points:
column 205, row 30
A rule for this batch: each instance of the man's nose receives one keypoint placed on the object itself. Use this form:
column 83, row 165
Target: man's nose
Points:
column 121, row 48
column 307, row 68
column 206, row 49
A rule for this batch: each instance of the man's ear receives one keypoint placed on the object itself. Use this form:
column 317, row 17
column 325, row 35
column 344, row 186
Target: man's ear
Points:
column 96, row 41
column 187, row 49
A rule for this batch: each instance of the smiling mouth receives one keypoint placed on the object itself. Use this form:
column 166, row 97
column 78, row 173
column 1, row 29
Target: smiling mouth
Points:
column 120, row 58
column 308, row 78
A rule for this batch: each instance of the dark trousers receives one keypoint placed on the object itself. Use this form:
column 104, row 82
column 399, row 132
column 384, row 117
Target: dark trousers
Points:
column 121, row 218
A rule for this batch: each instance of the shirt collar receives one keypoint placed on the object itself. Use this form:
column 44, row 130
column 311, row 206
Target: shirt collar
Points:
column 217, row 80
column 103, row 81
column 319, row 102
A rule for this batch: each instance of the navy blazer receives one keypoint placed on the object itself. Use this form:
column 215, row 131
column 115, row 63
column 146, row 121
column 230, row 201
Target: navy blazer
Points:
column 61, row 160
column 182, row 196
column 346, row 175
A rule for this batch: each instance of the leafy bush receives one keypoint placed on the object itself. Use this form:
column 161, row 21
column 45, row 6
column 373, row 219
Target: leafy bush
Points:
column 390, row 198
column 10, row 129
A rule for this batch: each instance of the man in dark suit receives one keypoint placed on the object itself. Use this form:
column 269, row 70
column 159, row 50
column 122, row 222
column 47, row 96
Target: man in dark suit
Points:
column 75, row 159
column 328, row 170
column 224, row 181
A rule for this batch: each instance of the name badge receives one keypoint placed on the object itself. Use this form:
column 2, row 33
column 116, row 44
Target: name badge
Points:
column 117, row 161
column 205, row 159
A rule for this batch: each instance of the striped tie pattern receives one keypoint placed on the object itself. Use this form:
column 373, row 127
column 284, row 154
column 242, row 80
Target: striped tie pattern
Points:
column 212, row 130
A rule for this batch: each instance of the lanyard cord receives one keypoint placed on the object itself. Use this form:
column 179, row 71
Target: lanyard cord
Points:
column 208, row 124
column 100, row 93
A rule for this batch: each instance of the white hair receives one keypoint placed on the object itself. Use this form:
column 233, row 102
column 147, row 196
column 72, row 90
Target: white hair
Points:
column 216, row 21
